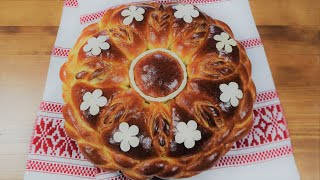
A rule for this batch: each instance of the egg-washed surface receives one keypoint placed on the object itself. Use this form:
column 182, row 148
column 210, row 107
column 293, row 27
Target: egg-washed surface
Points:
column 118, row 129
column 158, row 74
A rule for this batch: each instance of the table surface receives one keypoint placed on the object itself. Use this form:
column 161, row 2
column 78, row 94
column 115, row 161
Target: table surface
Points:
column 290, row 30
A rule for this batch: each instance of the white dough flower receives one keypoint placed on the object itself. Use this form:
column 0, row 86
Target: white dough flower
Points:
column 231, row 93
column 127, row 136
column 132, row 12
column 95, row 45
column 93, row 101
column 187, row 134
column 187, row 12
column 225, row 42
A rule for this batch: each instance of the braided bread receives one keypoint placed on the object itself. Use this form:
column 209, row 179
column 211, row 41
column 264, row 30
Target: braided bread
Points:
column 157, row 90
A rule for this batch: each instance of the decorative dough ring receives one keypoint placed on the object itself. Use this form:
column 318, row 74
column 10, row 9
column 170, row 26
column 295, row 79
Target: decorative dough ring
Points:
column 157, row 90
column 158, row 99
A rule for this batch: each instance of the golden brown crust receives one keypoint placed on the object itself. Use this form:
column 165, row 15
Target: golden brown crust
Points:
column 158, row 155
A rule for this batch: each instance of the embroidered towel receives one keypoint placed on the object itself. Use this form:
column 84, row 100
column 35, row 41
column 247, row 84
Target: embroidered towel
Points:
column 265, row 154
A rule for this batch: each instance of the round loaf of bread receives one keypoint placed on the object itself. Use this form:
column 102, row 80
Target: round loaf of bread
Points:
column 157, row 90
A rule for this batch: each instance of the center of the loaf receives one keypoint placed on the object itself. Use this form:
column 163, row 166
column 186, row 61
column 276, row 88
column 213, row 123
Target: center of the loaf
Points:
column 158, row 75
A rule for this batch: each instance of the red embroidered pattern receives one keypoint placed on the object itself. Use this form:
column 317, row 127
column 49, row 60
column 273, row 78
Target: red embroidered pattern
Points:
column 249, row 158
column 120, row 177
column 71, row 3
column 61, row 168
column 74, row 3
column 267, row 96
column 51, row 139
column 190, row 1
column 251, row 43
column 69, row 169
column 60, row 52
column 51, row 107
column 269, row 126
column 91, row 17
column 117, row 177
column 225, row 161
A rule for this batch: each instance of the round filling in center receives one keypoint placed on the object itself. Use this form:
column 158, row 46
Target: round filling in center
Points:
column 158, row 75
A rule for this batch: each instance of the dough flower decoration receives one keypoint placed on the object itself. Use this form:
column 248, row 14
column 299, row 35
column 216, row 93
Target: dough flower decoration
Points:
column 187, row 12
column 96, row 45
column 231, row 93
column 132, row 13
column 224, row 41
column 93, row 101
column 187, row 134
column 127, row 136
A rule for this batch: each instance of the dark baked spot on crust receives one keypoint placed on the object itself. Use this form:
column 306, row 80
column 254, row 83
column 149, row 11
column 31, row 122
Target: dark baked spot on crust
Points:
column 210, row 114
column 161, row 130
column 170, row 171
column 94, row 154
column 215, row 68
column 153, row 168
